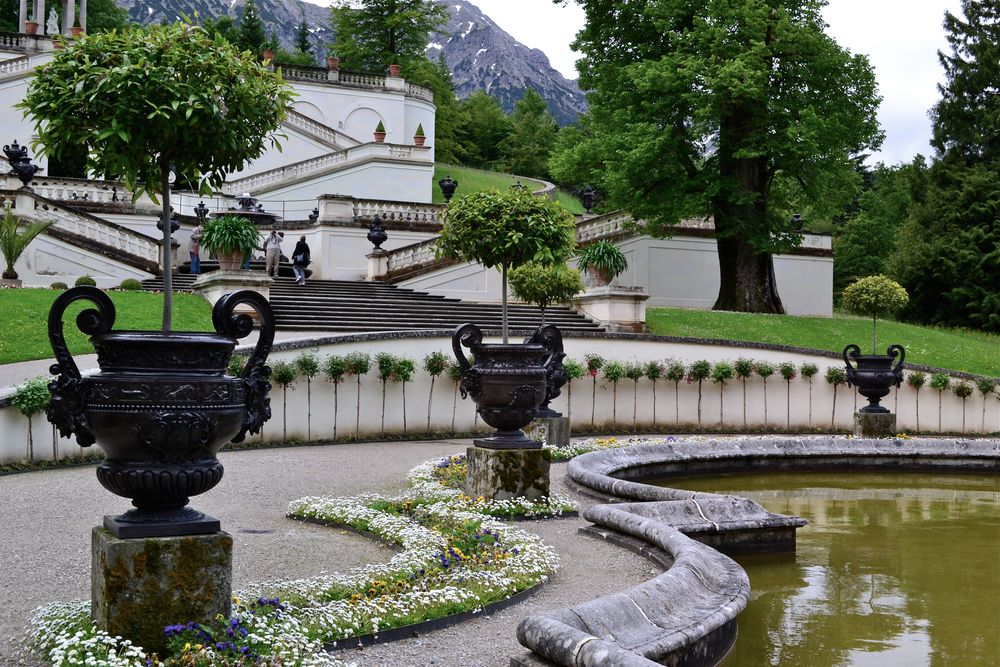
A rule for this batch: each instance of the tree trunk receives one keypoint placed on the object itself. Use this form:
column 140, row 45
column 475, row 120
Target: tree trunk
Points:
column 404, row 408
column 593, row 404
column 833, row 414
column 917, row 399
column 309, row 410
column 635, row 403
column 383, row 408
column 168, row 294
column 454, row 408
column 357, row 415
column 744, row 404
column 747, row 282
column 654, row 405
column 335, row 384
column 284, row 414
column 31, row 445
column 430, row 398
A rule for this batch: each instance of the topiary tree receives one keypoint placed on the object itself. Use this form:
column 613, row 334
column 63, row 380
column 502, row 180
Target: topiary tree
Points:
column 384, row 365
column 699, row 371
column 722, row 372
column 335, row 368
column 940, row 381
column 743, row 368
column 809, row 370
column 654, row 371
column 15, row 237
column 916, row 380
column 403, row 369
column 31, row 398
column 435, row 364
column 594, row 363
column 358, row 364
column 872, row 296
column 986, row 386
column 963, row 390
column 307, row 366
column 614, row 371
column 764, row 370
column 85, row 280
column 675, row 373
column 151, row 100
column 574, row 370
column 506, row 229
column 634, row 372
column 455, row 375
column 788, row 372
column 545, row 285
column 284, row 374
column 835, row 376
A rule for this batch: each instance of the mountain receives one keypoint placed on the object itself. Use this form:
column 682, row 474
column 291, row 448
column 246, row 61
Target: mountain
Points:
column 482, row 56
column 478, row 52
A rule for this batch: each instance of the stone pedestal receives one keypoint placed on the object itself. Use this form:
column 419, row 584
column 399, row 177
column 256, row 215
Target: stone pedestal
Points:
column 501, row 474
column 553, row 431
column 618, row 309
column 214, row 284
column 140, row 586
column 378, row 265
column 874, row 424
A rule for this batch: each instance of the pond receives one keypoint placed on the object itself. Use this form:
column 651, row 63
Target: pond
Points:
column 893, row 570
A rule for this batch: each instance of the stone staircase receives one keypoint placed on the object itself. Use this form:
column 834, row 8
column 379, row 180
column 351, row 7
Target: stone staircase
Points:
column 340, row 305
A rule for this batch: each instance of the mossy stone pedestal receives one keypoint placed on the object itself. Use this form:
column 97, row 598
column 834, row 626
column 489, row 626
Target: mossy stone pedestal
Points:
column 140, row 586
column 553, row 431
column 874, row 424
column 502, row 474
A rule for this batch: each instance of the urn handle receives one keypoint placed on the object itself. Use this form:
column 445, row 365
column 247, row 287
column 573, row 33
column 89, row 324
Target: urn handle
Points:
column 467, row 335
column 897, row 369
column 255, row 374
column 852, row 351
column 549, row 337
column 66, row 409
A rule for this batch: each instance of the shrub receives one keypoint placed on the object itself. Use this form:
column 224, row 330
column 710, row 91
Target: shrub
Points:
column 59, row 285
column 872, row 296
column 236, row 365
column 380, row 127
column 130, row 285
column 420, row 130
column 85, row 280
column 603, row 257
column 230, row 235
column 545, row 285
column 31, row 398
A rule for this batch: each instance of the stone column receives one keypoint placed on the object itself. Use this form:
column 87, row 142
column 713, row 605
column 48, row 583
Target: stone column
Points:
column 83, row 15
column 378, row 265
column 69, row 15
column 22, row 15
column 40, row 12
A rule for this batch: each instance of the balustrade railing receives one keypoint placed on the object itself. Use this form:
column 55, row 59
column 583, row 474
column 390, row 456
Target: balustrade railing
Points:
column 365, row 209
column 121, row 238
column 13, row 41
column 302, row 72
column 364, row 79
column 14, row 66
column 286, row 173
column 74, row 189
column 413, row 90
column 412, row 256
column 328, row 134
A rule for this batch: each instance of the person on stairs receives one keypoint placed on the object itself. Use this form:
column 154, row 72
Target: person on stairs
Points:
column 272, row 251
column 300, row 260
column 193, row 251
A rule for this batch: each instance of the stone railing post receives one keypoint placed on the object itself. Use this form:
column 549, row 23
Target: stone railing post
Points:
column 378, row 265
column 335, row 209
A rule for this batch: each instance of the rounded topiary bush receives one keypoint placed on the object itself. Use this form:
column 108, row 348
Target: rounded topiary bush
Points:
column 85, row 280
column 130, row 284
column 874, row 296
column 59, row 286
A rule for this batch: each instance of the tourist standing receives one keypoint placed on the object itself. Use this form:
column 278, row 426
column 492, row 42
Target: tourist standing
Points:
column 300, row 260
column 272, row 252
column 193, row 250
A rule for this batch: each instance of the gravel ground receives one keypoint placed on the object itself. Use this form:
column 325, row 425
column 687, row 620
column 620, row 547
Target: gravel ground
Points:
column 47, row 517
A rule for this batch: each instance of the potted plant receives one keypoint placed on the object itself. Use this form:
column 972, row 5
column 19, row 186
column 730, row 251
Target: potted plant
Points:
column 504, row 229
column 76, row 29
column 161, row 405
column 31, row 26
column 418, row 137
column 232, row 238
column 394, row 69
column 14, row 241
column 874, row 374
column 269, row 48
column 332, row 61
column 379, row 133
column 602, row 261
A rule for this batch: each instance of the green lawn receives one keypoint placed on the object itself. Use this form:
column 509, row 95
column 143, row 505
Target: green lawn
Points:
column 973, row 352
column 24, row 329
column 474, row 180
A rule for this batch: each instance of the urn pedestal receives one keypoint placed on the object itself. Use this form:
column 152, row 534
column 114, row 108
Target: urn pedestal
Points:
column 874, row 375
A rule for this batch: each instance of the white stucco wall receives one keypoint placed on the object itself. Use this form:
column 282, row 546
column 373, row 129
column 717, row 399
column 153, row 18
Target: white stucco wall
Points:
column 48, row 260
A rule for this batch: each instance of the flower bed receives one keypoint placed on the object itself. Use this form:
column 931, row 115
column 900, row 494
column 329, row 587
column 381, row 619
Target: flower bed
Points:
column 456, row 555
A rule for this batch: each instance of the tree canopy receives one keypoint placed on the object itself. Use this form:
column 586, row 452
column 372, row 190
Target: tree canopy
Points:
column 735, row 109
column 372, row 34
column 526, row 149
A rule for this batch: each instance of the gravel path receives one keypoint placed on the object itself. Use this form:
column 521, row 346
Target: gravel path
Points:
column 47, row 517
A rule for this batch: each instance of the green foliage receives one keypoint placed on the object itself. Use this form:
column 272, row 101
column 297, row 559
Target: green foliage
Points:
column 764, row 369
column 614, row 371
column 481, row 128
column 236, row 364
column 15, row 237
column 916, row 380
column 384, row 364
column 302, row 43
column 595, row 362
column 722, row 372
column 808, row 370
column 872, row 296
column 85, row 280
column 187, row 101
column 675, row 371
column 574, row 369
column 699, row 371
column 962, row 389
column 371, row 34
column 32, row 397
column 420, row 130
column 986, row 386
column 283, row 373
column 403, row 369
column 307, row 364
column 130, row 285
column 380, row 127
column 454, row 372
column 59, row 285
column 335, row 368
column 526, row 148
column 654, row 370
column 435, row 363
column 743, row 368
column 940, row 381
column 604, row 257
column 474, row 180
column 634, row 371
column 836, row 375
column 283, row 57
column 250, row 35
column 230, row 234
column 787, row 371
column 545, row 285
column 358, row 363
column 105, row 15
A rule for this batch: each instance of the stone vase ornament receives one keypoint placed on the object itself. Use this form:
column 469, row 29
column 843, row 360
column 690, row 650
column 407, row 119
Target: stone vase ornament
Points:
column 161, row 407
column 874, row 374
column 507, row 383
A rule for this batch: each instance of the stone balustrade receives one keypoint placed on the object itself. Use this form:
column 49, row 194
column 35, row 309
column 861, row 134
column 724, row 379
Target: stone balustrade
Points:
column 362, row 79
column 412, row 256
column 14, row 66
column 328, row 134
column 302, row 72
column 108, row 234
column 289, row 172
column 73, row 189
column 365, row 209
column 419, row 92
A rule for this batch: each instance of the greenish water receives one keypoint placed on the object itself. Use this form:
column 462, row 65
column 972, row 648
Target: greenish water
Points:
column 892, row 571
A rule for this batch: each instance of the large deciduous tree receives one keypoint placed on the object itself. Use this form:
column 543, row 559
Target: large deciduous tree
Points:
column 372, row 34
column 148, row 101
column 532, row 135
column 735, row 109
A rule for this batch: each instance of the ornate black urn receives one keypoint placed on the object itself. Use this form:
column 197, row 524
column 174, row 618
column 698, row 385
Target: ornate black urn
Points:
column 507, row 383
column 161, row 407
column 874, row 374
column 549, row 337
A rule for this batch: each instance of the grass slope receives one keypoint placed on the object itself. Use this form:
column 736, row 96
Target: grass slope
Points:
column 474, row 180
column 24, row 325
column 970, row 351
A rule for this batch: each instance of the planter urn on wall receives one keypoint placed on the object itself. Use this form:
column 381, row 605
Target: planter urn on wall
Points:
column 874, row 374
column 507, row 383
column 161, row 407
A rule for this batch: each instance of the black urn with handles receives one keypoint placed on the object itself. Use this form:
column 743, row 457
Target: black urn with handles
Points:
column 874, row 374
column 549, row 337
column 507, row 383
column 161, row 406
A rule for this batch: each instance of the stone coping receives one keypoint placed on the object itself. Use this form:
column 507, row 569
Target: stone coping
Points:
column 686, row 615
